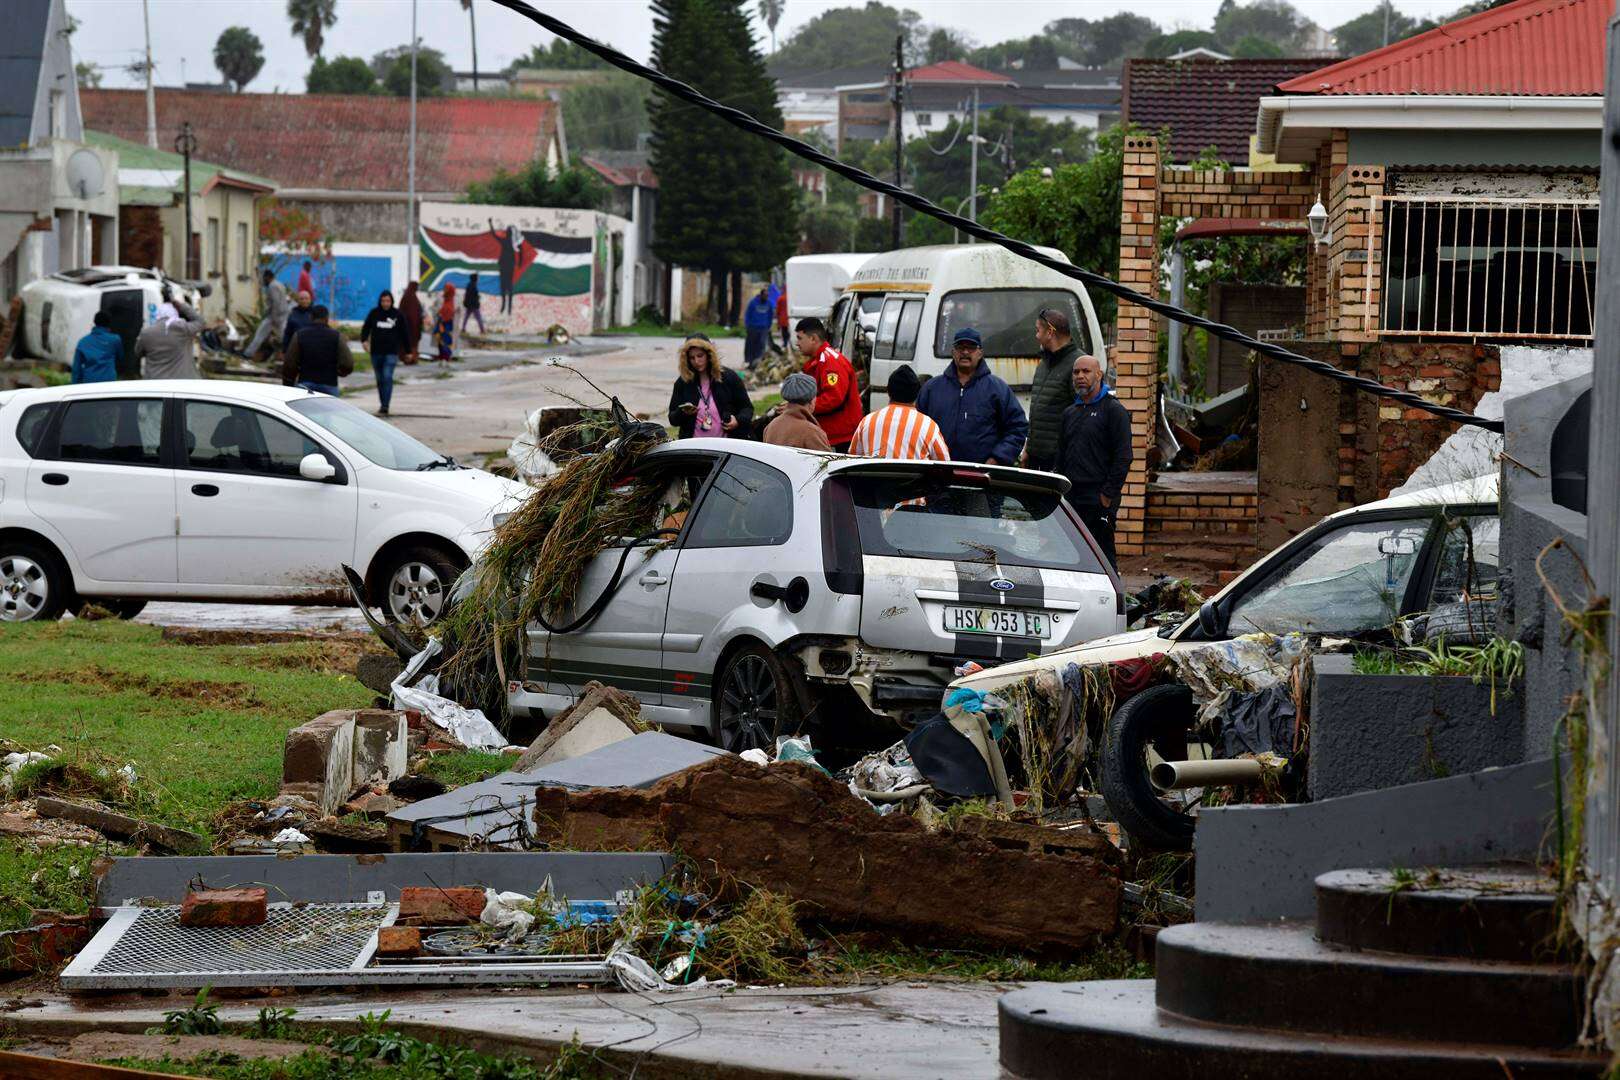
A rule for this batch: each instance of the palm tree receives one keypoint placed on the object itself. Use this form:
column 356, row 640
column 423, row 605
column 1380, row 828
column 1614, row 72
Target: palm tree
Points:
column 239, row 55
column 311, row 19
column 771, row 12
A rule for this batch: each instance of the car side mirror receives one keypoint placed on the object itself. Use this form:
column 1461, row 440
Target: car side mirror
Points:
column 316, row 467
column 1209, row 619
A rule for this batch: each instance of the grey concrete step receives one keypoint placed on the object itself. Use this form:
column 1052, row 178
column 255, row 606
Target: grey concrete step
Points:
column 1113, row 1031
column 1506, row 912
column 1282, row 977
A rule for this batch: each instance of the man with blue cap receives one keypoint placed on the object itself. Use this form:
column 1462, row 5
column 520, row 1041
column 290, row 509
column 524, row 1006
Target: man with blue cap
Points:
column 975, row 409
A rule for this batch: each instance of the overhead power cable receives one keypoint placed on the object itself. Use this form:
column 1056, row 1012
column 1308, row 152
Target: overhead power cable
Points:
column 738, row 118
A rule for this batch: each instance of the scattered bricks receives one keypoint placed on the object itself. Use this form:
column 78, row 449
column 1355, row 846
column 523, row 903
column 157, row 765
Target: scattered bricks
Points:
column 224, row 907
column 399, row 942
column 372, row 805
column 45, row 945
column 319, row 758
column 431, row 906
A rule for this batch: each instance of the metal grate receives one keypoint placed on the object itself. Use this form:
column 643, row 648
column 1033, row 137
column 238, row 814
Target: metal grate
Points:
column 316, row 936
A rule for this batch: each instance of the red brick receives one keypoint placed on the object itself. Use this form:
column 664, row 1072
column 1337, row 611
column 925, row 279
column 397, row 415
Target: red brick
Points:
column 224, row 907
column 399, row 941
column 431, row 906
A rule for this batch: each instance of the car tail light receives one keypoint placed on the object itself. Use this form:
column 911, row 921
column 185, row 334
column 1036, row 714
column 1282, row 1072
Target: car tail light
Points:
column 840, row 540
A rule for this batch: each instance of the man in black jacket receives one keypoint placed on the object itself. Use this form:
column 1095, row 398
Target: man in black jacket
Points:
column 317, row 357
column 1049, row 392
column 1094, row 452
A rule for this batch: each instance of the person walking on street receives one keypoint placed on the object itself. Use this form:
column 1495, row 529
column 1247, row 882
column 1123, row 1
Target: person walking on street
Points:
column 757, row 319
column 306, row 281
column 1094, row 451
column 795, row 423
column 98, row 354
column 470, row 306
column 1050, row 390
column 277, row 306
column 383, row 333
column 410, row 310
column 318, row 356
column 899, row 429
column 708, row 401
column 837, row 406
column 444, row 327
column 297, row 318
column 782, row 317
column 975, row 409
column 165, row 348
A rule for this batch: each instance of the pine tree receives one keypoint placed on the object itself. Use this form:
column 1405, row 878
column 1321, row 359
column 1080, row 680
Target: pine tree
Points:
column 727, row 201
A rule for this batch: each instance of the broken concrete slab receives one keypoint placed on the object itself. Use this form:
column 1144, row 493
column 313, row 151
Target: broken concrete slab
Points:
column 794, row 830
column 380, row 745
column 121, row 826
column 338, row 751
column 580, row 729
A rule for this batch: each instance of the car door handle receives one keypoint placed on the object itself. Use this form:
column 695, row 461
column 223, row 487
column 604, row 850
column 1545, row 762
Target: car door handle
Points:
column 55, row 479
column 652, row 579
column 205, row 490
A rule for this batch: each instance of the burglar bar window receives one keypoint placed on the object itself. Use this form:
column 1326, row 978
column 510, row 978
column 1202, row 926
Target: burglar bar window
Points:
column 1497, row 268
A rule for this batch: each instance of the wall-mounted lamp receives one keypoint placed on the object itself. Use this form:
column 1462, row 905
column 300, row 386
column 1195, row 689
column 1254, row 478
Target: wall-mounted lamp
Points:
column 1317, row 219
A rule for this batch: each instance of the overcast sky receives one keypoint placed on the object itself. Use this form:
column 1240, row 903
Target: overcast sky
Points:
column 184, row 31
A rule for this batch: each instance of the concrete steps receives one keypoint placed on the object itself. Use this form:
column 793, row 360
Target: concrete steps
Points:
column 1439, row 973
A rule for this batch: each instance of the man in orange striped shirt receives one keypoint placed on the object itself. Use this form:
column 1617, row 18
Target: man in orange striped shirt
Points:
column 898, row 430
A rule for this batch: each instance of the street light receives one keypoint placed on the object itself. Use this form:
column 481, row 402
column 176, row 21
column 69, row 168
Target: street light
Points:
column 1317, row 219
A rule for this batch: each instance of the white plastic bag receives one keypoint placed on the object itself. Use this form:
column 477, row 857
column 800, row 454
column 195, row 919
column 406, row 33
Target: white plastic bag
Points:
column 468, row 726
column 508, row 911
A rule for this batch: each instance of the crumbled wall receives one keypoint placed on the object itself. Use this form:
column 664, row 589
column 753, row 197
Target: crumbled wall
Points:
column 1457, row 375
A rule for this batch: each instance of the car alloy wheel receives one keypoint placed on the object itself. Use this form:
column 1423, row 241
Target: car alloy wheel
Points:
column 25, row 589
column 416, row 594
column 749, row 705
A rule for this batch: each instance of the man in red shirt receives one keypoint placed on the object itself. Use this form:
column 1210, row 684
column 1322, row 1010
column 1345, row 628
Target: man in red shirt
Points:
column 306, row 283
column 782, row 317
column 838, row 396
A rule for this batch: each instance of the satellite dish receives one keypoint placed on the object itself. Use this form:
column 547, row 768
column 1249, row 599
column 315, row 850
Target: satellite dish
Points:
column 85, row 174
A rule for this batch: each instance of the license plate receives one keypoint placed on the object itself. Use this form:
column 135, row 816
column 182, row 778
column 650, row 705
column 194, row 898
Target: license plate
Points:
column 1004, row 622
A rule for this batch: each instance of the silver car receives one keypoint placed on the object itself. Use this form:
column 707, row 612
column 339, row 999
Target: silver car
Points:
column 802, row 587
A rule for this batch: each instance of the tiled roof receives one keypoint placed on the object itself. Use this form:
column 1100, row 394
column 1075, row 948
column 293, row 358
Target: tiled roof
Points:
column 1204, row 102
column 621, row 168
column 1529, row 47
column 955, row 71
column 337, row 141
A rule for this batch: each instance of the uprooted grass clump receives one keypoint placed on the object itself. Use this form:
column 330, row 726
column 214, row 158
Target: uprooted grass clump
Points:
column 536, row 559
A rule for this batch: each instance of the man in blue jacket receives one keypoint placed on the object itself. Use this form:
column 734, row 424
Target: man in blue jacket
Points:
column 99, row 353
column 974, row 408
column 757, row 319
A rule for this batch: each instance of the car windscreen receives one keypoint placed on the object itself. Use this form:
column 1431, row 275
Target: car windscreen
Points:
column 934, row 516
column 1005, row 319
column 379, row 441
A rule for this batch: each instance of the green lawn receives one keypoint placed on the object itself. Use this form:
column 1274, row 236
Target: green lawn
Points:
column 642, row 329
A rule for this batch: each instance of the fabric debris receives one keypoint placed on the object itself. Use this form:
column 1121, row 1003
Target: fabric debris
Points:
column 413, row 690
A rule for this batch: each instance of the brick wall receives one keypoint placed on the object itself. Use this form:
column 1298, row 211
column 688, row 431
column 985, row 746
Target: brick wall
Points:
column 1178, row 514
column 1135, row 365
column 1451, row 374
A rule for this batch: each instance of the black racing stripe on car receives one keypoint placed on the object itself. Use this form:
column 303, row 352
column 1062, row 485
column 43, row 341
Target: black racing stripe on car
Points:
column 690, row 684
column 973, row 582
column 1018, row 648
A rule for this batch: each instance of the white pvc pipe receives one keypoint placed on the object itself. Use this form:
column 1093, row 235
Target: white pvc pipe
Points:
column 1173, row 775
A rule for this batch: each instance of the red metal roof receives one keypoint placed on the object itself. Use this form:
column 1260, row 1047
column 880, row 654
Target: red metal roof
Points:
column 345, row 142
column 955, row 71
column 623, row 175
column 1203, row 102
column 1528, row 47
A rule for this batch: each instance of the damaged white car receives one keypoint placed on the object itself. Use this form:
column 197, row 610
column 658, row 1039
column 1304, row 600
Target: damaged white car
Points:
column 793, row 589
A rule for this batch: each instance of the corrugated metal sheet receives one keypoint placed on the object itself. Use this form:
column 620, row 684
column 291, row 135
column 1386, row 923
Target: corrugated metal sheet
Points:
column 1551, row 48
column 338, row 141
column 1203, row 102
column 22, row 51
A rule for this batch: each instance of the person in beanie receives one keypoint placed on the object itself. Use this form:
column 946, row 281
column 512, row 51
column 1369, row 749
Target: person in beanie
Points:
column 1094, row 451
column 383, row 333
column 318, row 356
column 976, row 411
column 795, row 422
column 708, row 402
column 757, row 319
column 838, row 396
column 898, row 430
column 1050, row 392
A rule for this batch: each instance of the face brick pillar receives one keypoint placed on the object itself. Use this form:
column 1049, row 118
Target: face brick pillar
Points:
column 1135, row 368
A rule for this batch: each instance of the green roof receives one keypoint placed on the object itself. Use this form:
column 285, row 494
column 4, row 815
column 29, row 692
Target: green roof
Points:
column 149, row 177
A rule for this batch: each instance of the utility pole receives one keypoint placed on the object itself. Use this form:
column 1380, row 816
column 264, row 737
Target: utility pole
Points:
column 898, row 96
column 1386, row 21
column 151, row 98
column 472, row 17
column 410, row 170
column 973, row 164
column 186, row 144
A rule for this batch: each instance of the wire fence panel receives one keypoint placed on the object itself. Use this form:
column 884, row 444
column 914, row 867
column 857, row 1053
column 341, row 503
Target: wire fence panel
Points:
column 1487, row 268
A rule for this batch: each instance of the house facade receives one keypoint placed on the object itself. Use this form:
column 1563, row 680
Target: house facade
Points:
column 58, row 196
column 633, row 188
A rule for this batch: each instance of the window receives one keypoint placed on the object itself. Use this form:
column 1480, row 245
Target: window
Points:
column 925, row 119
column 1348, row 581
column 58, row 114
column 897, row 329
column 748, row 505
column 229, row 438
column 835, row 324
column 1005, row 319
column 31, row 428
column 888, row 323
column 244, row 257
column 1469, row 560
column 931, row 515
column 213, row 246
column 379, row 441
column 115, row 431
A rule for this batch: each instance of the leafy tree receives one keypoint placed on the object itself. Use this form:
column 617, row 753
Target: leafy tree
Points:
column 770, row 12
column 239, row 56
column 311, row 19
column 943, row 44
column 573, row 187
column 1365, row 33
column 1035, row 51
column 1180, row 41
column 607, row 112
column 87, row 75
column 342, row 75
column 434, row 78
column 1255, row 47
column 560, row 55
column 1119, row 36
column 727, row 200
column 828, row 227
column 1276, row 21
column 846, row 36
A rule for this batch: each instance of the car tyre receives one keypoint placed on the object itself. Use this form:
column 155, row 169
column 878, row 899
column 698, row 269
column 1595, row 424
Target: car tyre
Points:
column 756, row 700
column 1156, row 718
column 415, row 586
column 34, row 585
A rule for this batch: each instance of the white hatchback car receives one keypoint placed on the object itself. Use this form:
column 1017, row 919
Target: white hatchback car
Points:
column 805, row 587
column 125, row 492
